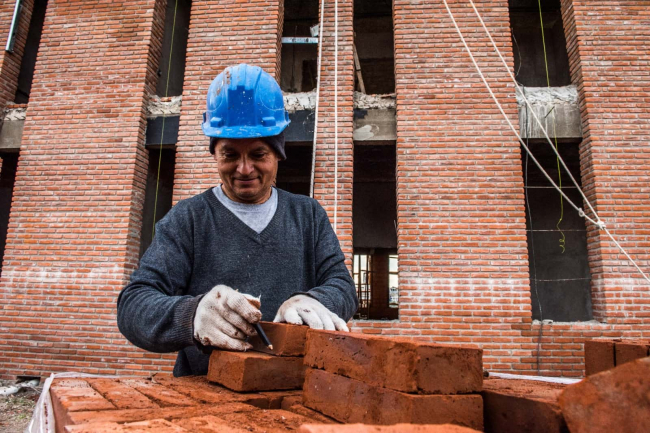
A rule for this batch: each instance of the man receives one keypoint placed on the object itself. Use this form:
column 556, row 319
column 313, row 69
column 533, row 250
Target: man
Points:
column 241, row 252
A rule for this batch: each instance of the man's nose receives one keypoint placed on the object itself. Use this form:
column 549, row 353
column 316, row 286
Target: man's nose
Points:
column 245, row 166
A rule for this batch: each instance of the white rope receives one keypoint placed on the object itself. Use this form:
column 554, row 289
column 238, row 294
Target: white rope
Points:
column 336, row 110
column 318, row 74
column 600, row 224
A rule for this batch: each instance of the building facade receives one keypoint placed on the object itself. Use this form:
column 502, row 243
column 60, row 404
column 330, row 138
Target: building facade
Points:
column 451, row 232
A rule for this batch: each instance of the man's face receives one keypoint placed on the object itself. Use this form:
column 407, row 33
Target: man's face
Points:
column 247, row 168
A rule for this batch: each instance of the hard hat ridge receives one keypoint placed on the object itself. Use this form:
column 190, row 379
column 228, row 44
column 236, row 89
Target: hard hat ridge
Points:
column 244, row 102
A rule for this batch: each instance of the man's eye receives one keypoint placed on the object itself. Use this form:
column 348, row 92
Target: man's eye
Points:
column 229, row 155
column 259, row 155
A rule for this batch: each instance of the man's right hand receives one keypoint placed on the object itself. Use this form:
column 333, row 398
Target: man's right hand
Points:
column 223, row 318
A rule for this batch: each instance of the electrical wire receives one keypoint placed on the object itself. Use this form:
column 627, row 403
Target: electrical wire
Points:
column 600, row 224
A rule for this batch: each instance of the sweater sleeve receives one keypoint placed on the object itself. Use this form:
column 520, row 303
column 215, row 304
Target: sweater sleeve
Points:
column 152, row 311
column 334, row 285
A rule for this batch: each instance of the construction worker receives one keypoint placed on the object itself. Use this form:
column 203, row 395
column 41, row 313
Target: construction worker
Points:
column 240, row 252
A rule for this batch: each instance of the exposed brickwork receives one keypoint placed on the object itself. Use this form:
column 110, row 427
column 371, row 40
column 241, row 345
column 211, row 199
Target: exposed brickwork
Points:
column 222, row 33
column 611, row 74
column 514, row 405
column 75, row 221
column 601, row 354
column 96, row 405
column 461, row 229
column 325, row 147
column 397, row 364
column 352, row 401
column 10, row 62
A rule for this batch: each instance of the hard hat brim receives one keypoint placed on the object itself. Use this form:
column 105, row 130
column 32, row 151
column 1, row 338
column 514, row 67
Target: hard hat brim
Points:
column 243, row 131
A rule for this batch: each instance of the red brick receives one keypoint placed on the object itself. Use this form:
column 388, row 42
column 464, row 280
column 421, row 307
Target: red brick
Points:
column 208, row 423
column 120, row 395
column 397, row 428
column 167, row 413
column 630, row 350
column 198, row 388
column 287, row 340
column 515, row 405
column 398, row 364
column 164, row 396
column 294, row 404
column 75, row 396
column 275, row 398
column 351, row 401
column 157, row 425
column 251, row 371
column 599, row 356
column 612, row 401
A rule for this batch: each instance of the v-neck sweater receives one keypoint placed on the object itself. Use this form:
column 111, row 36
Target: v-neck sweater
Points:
column 200, row 244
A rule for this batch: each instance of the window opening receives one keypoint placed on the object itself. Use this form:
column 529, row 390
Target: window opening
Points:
column 294, row 173
column 28, row 62
column 172, row 63
column 361, row 274
column 7, row 181
column 557, row 250
column 165, row 185
column 374, row 216
column 528, row 44
column 373, row 45
column 299, row 54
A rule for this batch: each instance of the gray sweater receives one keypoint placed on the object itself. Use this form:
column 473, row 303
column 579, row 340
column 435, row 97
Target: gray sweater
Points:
column 200, row 244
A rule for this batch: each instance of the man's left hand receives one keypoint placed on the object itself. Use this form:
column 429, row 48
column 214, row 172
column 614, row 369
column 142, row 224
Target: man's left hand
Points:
column 301, row 309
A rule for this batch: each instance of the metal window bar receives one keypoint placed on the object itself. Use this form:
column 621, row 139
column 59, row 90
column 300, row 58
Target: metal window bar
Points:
column 14, row 27
column 362, row 275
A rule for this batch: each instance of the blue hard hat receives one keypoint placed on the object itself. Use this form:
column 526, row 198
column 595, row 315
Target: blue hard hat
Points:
column 244, row 102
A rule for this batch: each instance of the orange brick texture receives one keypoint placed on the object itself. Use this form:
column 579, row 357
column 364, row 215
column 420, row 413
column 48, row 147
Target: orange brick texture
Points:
column 222, row 33
column 183, row 404
column 611, row 73
column 75, row 221
column 603, row 354
column 326, row 145
column 10, row 62
column 463, row 265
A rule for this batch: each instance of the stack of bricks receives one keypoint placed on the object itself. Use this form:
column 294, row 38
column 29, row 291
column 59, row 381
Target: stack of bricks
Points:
column 356, row 378
column 519, row 405
column 605, row 354
column 263, row 369
column 166, row 404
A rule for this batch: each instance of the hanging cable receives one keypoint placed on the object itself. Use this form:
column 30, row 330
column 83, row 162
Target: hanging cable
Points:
column 162, row 134
column 318, row 74
column 600, row 224
column 336, row 110
column 559, row 172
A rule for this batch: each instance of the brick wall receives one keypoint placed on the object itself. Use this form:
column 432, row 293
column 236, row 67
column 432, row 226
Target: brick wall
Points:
column 325, row 147
column 222, row 33
column 461, row 229
column 10, row 62
column 611, row 72
column 75, row 221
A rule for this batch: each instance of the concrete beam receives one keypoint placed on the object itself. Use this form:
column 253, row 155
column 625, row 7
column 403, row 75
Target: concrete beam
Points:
column 11, row 135
column 554, row 104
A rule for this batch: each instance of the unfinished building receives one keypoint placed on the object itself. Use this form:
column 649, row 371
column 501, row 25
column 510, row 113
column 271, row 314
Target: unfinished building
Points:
column 450, row 231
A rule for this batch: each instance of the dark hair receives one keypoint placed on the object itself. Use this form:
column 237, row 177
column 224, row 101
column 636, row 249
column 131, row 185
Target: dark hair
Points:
column 276, row 142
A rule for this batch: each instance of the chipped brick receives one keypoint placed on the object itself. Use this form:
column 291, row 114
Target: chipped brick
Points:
column 163, row 396
column 515, row 405
column 630, row 350
column 611, row 401
column 252, row 371
column 198, row 388
column 157, row 425
column 395, row 363
column 351, row 401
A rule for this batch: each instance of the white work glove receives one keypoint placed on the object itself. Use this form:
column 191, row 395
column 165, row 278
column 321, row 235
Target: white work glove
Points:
column 301, row 309
column 223, row 318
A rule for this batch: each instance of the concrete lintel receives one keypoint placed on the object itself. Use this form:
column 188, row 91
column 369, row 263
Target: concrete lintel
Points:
column 375, row 125
column 557, row 105
column 11, row 135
